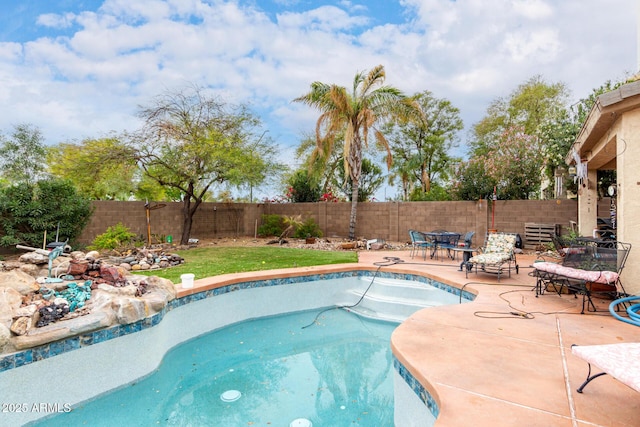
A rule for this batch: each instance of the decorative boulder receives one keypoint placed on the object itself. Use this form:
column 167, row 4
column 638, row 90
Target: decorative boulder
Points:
column 128, row 310
column 19, row 280
column 10, row 301
column 78, row 267
column 5, row 337
column 34, row 258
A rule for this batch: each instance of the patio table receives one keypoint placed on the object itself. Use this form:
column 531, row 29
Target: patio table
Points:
column 443, row 240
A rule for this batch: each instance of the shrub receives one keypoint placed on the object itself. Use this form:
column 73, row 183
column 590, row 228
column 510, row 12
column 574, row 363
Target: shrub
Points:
column 308, row 228
column 28, row 210
column 114, row 238
column 272, row 225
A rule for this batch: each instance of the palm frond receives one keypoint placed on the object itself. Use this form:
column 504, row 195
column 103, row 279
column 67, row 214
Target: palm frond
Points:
column 375, row 77
column 382, row 142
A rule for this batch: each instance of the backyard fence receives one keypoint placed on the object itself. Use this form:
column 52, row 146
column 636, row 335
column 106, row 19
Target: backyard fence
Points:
column 390, row 221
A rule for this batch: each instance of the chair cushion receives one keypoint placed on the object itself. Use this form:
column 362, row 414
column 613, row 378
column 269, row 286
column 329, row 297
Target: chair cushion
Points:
column 604, row 277
column 499, row 243
column 490, row 258
column 618, row 360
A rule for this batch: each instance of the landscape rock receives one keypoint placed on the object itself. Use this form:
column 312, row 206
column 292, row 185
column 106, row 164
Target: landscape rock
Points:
column 5, row 337
column 129, row 310
column 100, row 293
column 92, row 255
column 166, row 286
column 21, row 325
column 18, row 280
column 62, row 329
column 128, row 290
column 10, row 265
column 77, row 255
column 25, row 311
column 32, row 270
column 10, row 300
column 78, row 267
column 34, row 258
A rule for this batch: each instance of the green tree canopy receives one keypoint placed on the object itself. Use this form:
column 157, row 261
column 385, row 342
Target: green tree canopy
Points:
column 518, row 140
column 95, row 168
column 303, row 187
column 421, row 146
column 531, row 105
column 191, row 141
column 513, row 168
column 22, row 155
column 371, row 179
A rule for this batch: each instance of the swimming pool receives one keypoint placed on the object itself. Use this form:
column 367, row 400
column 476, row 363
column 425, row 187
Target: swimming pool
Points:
column 262, row 372
column 97, row 363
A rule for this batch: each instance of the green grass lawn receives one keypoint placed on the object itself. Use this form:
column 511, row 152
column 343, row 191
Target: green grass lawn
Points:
column 207, row 262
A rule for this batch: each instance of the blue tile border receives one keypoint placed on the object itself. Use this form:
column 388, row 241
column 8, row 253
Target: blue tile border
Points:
column 417, row 388
column 25, row 357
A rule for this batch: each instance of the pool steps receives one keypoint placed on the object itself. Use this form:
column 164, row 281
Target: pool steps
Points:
column 395, row 300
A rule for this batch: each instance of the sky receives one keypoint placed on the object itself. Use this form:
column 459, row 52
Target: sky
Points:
column 82, row 69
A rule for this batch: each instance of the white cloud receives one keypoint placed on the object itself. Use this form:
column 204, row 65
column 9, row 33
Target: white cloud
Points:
column 54, row 20
column 542, row 45
column 533, row 9
column 324, row 18
column 90, row 80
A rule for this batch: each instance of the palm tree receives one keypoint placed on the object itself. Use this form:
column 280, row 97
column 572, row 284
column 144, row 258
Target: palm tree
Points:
column 353, row 116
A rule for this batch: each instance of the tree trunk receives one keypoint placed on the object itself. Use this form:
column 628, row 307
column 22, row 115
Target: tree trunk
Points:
column 354, row 209
column 187, row 221
column 187, row 218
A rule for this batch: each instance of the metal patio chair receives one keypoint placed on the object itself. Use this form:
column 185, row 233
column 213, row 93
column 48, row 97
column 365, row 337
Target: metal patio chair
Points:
column 419, row 242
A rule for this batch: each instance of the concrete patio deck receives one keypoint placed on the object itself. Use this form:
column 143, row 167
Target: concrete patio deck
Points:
column 488, row 367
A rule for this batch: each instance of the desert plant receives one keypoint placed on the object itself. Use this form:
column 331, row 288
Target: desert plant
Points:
column 272, row 225
column 292, row 223
column 308, row 228
column 115, row 237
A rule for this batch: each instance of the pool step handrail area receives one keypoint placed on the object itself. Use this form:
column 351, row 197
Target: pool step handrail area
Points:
column 394, row 300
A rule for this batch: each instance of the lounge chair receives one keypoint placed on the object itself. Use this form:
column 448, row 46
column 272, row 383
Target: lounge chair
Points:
column 585, row 270
column 619, row 360
column 497, row 255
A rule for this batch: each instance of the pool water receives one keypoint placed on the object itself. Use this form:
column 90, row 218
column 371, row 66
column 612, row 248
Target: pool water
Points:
column 263, row 372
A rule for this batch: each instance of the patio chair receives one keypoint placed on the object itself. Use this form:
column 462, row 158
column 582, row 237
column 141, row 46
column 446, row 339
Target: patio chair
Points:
column 419, row 242
column 497, row 255
column 465, row 243
column 560, row 245
column 585, row 270
column 448, row 241
column 468, row 238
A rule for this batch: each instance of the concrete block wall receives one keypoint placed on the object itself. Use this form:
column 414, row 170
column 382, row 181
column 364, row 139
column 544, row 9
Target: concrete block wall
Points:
column 512, row 215
column 390, row 221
